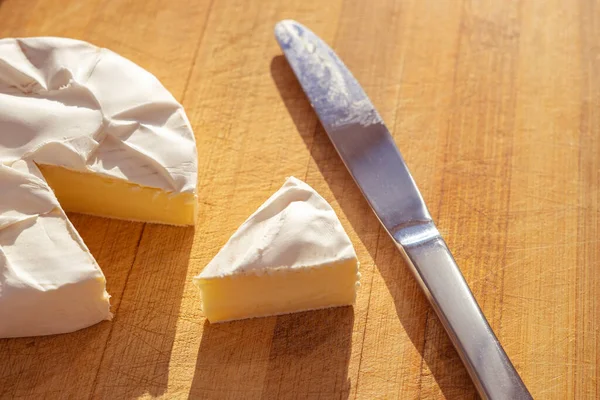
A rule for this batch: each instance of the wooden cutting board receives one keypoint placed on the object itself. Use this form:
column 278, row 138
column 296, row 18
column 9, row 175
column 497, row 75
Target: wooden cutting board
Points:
column 495, row 106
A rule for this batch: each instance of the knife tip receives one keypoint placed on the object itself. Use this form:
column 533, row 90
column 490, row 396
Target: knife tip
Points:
column 285, row 23
column 283, row 27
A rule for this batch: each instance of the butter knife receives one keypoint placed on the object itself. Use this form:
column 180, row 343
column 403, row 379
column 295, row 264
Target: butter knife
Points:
column 370, row 154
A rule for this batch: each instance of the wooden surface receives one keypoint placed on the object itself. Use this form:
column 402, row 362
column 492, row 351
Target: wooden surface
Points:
column 495, row 106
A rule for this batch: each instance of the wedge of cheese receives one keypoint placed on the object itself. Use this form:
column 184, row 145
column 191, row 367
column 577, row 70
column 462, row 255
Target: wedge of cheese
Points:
column 291, row 255
column 81, row 129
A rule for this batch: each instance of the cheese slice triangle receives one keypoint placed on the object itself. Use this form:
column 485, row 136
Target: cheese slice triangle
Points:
column 81, row 129
column 291, row 255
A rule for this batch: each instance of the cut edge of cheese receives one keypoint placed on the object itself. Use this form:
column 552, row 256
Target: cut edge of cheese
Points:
column 108, row 197
column 279, row 292
column 291, row 255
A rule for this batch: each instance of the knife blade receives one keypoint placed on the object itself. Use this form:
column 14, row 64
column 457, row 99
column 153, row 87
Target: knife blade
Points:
column 368, row 150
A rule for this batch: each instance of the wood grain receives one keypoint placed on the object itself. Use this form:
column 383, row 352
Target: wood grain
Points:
column 495, row 107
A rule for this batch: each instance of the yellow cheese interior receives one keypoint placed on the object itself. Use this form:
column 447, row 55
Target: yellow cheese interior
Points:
column 95, row 194
column 279, row 292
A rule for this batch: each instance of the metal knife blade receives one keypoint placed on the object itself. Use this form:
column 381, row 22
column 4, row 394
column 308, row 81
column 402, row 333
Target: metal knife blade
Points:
column 370, row 154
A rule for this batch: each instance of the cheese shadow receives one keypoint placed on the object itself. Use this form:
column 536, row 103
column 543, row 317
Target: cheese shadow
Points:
column 145, row 266
column 301, row 355
column 440, row 356
column 138, row 351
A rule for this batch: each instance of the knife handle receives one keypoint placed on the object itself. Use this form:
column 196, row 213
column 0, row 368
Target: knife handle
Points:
column 488, row 365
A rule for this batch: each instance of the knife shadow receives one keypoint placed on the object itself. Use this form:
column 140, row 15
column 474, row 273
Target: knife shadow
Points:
column 411, row 305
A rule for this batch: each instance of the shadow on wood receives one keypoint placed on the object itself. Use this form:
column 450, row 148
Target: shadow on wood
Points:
column 138, row 351
column 145, row 267
column 402, row 286
column 303, row 355
column 43, row 366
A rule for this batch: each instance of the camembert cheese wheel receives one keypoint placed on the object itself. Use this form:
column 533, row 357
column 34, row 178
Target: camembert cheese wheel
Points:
column 82, row 129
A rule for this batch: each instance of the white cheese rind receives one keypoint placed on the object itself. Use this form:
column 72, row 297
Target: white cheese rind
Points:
column 295, row 228
column 68, row 103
